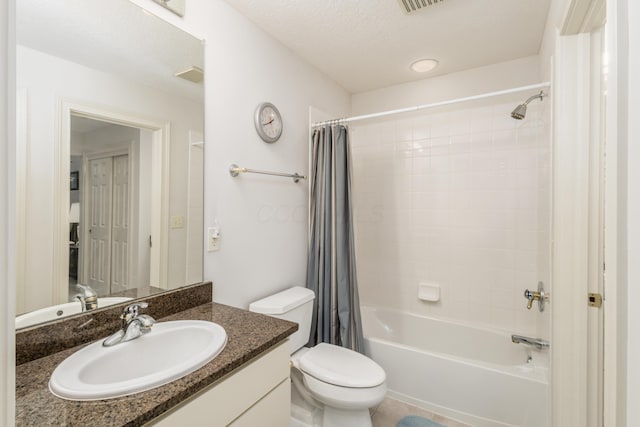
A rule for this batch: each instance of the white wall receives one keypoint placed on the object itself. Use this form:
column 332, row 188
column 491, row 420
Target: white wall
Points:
column 555, row 17
column 633, row 216
column 7, row 217
column 107, row 138
column 67, row 80
column 519, row 72
column 456, row 197
column 622, row 376
column 262, row 219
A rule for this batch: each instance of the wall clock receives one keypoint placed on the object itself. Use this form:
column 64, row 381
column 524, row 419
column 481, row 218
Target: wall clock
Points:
column 268, row 122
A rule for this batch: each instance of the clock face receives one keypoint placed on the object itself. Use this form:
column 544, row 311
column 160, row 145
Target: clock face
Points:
column 268, row 122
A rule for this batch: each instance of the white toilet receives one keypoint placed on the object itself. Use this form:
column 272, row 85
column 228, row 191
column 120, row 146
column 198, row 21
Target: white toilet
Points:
column 340, row 385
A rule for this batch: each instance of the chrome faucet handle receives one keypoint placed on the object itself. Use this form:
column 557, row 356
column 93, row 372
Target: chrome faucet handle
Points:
column 540, row 295
column 531, row 296
column 134, row 325
column 146, row 321
column 133, row 310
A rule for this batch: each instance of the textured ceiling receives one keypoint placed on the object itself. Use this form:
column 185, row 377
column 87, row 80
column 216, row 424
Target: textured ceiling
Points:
column 369, row 44
column 114, row 36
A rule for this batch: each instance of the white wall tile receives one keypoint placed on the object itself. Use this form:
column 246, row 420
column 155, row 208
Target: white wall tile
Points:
column 481, row 119
column 465, row 204
column 422, row 127
column 481, row 141
column 440, row 125
column 440, row 146
column 461, row 144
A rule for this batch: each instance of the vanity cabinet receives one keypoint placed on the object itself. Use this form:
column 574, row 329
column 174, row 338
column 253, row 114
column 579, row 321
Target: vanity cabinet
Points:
column 257, row 394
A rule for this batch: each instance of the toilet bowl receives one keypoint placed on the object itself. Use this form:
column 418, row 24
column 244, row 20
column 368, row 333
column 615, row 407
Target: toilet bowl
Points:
column 341, row 383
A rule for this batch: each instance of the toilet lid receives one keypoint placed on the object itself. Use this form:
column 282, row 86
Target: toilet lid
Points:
column 342, row 367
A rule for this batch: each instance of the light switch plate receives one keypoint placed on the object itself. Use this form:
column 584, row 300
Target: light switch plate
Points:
column 177, row 222
column 213, row 239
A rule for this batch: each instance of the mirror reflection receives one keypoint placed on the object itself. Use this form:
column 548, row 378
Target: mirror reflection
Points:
column 175, row 6
column 110, row 237
column 110, row 152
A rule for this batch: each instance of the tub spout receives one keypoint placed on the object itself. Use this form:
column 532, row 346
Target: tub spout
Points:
column 538, row 343
column 88, row 298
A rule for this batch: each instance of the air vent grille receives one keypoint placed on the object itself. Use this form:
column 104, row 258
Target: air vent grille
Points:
column 411, row 6
column 193, row 74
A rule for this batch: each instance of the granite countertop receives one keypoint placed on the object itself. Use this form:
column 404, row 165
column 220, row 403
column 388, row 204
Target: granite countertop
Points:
column 249, row 335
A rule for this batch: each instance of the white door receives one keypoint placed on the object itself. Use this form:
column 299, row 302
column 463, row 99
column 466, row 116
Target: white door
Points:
column 120, row 225
column 99, row 214
column 109, row 224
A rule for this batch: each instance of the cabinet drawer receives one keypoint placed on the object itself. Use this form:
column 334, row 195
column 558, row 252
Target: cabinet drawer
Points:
column 227, row 399
column 272, row 410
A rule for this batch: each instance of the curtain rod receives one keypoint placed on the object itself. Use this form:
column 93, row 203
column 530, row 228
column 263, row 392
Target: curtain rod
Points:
column 433, row 105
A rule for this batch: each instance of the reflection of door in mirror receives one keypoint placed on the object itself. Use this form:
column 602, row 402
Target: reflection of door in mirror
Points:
column 100, row 205
column 107, row 260
column 116, row 200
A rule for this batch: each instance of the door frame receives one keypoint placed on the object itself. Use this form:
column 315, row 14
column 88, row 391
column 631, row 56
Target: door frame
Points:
column 578, row 384
column 161, row 131
column 617, row 225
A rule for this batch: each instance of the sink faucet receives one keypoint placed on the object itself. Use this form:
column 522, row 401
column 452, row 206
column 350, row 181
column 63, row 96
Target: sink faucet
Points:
column 134, row 325
column 88, row 298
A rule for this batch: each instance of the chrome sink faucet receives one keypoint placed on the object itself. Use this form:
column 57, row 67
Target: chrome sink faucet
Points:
column 88, row 298
column 134, row 325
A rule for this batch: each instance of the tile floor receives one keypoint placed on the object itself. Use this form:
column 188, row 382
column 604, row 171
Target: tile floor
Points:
column 390, row 411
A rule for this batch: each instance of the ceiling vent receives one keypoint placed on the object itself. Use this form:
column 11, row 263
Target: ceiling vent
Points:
column 193, row 74
column 411, row 6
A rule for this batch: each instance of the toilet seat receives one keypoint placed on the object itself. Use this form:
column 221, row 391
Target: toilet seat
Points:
column 341, row 367
column 349, row 398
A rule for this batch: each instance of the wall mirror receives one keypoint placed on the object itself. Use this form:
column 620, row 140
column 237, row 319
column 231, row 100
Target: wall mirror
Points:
column 110, row 154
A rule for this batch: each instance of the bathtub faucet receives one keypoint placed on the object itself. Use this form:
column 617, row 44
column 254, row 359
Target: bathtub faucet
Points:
column 538, row 343
column 88, row 298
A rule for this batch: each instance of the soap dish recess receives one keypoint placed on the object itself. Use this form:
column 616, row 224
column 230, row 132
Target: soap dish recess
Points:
column 429, row 292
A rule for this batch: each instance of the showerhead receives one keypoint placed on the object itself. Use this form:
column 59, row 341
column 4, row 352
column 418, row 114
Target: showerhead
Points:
column 521, row 110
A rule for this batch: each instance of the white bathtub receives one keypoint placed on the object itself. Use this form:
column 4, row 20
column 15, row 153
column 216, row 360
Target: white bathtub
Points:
column 475, row 375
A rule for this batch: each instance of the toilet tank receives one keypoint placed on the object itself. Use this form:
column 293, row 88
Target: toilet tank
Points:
column 294, row 304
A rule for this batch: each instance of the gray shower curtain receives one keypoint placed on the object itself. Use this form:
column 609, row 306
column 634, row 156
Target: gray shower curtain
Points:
column 331, row 266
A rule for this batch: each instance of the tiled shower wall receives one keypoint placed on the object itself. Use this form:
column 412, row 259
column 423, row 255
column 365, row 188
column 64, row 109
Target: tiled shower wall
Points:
column 460, row 199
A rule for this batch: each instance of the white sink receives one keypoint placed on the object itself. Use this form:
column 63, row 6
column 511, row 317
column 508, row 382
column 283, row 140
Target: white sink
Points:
column 61, row 310
column 170, row 351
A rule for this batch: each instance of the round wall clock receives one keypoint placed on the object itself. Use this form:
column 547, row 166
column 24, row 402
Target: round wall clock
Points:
column 268, row 122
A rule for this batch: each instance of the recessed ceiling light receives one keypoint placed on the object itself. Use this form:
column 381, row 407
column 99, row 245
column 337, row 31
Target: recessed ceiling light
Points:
column 424, row 65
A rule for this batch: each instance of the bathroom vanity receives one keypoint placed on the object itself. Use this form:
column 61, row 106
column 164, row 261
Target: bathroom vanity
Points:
column 257, row 394
column 246, row 384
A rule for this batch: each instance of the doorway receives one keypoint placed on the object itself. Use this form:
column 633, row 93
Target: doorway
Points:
column 106, row 175
column 110, row 217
